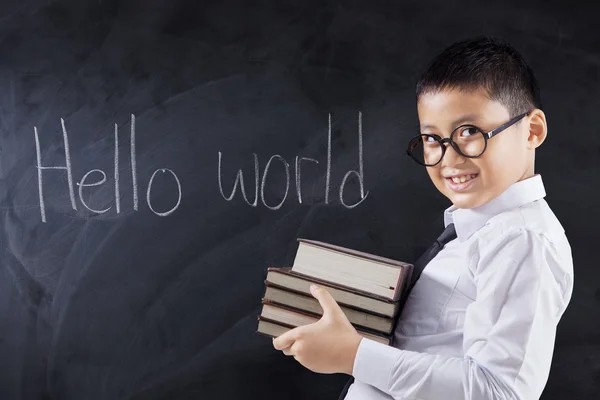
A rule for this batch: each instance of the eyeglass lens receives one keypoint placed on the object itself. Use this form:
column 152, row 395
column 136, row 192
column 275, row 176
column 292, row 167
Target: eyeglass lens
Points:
column 427, row 149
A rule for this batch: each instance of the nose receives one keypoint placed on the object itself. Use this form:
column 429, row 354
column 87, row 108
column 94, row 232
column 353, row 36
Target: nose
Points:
column 452, row 157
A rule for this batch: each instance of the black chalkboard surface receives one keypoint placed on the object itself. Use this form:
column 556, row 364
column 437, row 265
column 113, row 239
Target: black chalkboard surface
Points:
column 133, row 251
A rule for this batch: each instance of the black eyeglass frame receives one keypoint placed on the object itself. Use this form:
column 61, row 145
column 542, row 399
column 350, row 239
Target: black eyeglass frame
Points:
column 486, row 137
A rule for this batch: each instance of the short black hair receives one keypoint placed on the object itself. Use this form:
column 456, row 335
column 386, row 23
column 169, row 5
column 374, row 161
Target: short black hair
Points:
column 485, row 62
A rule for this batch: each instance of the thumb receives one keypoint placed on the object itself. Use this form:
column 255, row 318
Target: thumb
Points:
column 328, row 303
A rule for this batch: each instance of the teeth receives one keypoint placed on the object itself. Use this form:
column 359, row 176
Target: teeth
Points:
column 463, row 178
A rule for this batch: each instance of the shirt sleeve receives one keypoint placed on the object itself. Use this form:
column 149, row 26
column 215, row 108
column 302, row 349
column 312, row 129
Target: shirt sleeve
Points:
column 509, row 331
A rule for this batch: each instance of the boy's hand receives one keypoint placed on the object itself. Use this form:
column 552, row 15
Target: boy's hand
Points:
column 327, row 346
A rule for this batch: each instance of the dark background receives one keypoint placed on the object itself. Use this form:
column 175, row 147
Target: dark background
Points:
column 135, row 305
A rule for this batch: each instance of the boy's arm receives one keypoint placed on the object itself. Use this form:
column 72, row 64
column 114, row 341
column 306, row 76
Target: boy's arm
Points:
column 509, row 331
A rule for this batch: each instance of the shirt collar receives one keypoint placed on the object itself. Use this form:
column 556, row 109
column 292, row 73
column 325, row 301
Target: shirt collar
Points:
column 467, row 221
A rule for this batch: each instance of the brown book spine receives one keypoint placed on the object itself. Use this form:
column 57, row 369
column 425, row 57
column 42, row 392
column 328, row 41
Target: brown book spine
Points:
column 316, row 316
column 261, row 318
column 402, row 287
column 403, row 280
column 289, row 271
column 264, row 300
column 298, row 292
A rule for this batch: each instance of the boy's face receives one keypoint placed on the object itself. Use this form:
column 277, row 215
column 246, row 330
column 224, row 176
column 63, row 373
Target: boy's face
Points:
column 507, row 159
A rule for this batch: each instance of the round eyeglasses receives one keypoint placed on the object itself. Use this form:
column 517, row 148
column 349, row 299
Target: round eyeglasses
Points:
column 467, row 140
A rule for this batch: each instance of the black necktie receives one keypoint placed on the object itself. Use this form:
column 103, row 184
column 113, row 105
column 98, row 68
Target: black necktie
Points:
column 418, row 266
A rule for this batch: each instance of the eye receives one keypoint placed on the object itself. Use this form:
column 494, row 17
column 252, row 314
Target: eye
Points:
column 468, row 131
column 429, row 138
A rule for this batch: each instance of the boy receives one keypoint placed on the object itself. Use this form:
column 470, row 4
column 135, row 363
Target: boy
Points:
column 480, row 321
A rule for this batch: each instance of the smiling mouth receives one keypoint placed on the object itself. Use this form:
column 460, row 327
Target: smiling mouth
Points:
column 462, row 178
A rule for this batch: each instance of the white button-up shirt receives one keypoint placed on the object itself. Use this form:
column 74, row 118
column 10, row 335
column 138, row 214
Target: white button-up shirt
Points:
column 480, row 323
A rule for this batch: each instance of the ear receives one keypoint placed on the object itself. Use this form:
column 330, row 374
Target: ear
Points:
column 537, row 129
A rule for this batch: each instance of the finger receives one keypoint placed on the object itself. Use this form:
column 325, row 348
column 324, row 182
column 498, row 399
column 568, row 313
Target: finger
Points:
column 288, row 351
column 286, row 339
column 328, row 303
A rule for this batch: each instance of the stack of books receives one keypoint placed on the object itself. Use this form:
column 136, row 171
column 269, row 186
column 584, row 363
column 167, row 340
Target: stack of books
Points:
column 368, row 288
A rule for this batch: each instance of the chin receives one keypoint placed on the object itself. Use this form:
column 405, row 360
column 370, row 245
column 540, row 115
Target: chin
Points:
column 463, row 203
column 470, row 200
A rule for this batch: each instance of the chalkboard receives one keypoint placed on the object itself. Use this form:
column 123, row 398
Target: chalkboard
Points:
column 133, row 251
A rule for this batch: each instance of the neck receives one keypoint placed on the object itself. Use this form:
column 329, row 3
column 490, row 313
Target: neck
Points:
column 529, row 169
